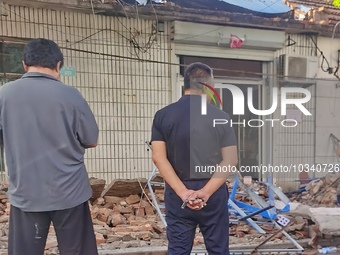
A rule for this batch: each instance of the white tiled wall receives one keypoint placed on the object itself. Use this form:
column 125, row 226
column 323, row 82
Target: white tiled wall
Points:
column 123, row 92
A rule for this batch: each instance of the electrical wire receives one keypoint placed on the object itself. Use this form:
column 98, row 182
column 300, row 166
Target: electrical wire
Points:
column 154, row 11
column 137, row 46
column 324, row 60
column 210, row 31
column 137, row 12
column 126, row 15
column 134, row 43
column 130, row 40
column 243, row 73
column 69, row 34
column 337, row 68
column 94, row 16
column 154, row 33
column 205, row 33
column 152, row 36
column 269, row 6
column 39, row 24
column 86, row 37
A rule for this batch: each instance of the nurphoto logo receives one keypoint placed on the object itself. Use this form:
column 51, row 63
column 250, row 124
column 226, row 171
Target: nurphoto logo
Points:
column 211, row 95
column 239, row 103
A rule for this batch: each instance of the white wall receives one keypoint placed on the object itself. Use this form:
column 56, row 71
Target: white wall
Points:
column 294, row 147
column 328, row 104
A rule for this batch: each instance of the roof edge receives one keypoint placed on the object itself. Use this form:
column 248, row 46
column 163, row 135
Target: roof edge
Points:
column 171, row 13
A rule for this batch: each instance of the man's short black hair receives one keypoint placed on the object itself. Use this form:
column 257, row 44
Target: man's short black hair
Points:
column 195, row 74
column 43, row 53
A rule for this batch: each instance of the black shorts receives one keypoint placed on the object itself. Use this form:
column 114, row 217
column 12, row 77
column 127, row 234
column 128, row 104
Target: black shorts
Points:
column 74, row 230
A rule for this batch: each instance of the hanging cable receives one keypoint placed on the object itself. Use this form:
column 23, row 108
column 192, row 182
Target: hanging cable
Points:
column 237, row 72
column 324, row 60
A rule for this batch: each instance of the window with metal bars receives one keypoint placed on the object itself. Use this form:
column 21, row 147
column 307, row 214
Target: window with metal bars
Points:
column 10, row 69
column 10, row 61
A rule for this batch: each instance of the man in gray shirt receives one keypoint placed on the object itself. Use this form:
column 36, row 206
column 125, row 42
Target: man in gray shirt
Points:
column 45, row 128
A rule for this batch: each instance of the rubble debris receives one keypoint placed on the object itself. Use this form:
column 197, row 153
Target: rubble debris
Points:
column 124, row 188
column 328, row 220
column 298, row 209
column 132, row 199
column 321, row 192
column 314, row 233
column 97, row 186
column 131, row 221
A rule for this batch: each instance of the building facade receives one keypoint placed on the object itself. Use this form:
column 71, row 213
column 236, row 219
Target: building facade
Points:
column 123, row 92
column 129, row 62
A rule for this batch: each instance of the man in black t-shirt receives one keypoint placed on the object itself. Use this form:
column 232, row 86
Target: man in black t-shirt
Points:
column 189, row 149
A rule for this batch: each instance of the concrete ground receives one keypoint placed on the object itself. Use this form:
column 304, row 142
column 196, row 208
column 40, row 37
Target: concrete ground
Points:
column 199, row 251
column 156, row 250
column 196, row 251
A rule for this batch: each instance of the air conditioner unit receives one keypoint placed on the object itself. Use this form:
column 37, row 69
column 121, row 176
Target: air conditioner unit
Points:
column 297, row 69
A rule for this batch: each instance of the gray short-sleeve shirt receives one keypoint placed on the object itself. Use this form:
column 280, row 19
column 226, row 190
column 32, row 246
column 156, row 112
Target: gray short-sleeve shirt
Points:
column 45, row 128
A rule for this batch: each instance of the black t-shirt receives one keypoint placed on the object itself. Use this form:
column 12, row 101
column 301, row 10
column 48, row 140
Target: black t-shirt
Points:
column 193, row 143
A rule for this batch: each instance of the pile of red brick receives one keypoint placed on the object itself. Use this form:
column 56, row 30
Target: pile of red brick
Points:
column 124, row 216
column 123, row 211
column 321, row 192
column 120, row 219
column 4, row 202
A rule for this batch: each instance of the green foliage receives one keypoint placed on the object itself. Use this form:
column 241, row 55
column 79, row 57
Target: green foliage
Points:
column 10, row 58
column 14, row 61
column 336, row 3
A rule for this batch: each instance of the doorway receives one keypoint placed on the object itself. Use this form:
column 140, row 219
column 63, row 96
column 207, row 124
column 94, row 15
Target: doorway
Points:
column 248, row 137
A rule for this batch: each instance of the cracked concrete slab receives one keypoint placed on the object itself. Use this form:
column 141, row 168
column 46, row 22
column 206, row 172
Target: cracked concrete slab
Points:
column 327, row 218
